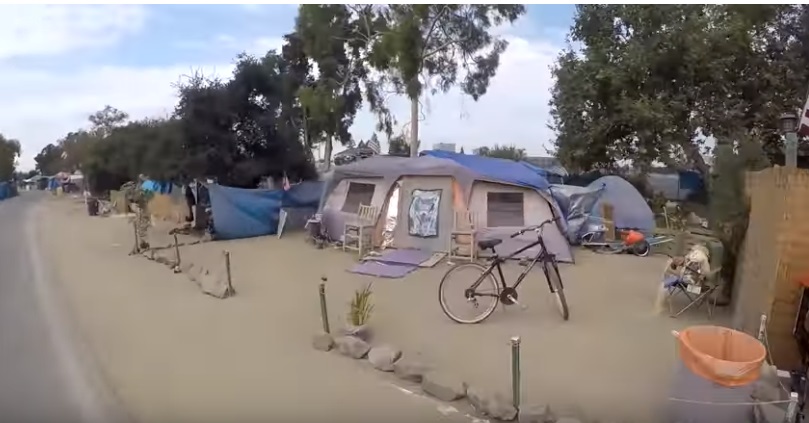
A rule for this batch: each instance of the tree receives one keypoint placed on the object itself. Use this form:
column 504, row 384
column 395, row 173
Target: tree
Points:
column 49, row 160
column 332, row 100
column 398, row 146
column 411, row 44
column 510, row 152
column 652, row 83
column 10, row 150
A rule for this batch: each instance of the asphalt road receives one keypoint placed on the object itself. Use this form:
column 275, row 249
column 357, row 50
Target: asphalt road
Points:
column 42, row 378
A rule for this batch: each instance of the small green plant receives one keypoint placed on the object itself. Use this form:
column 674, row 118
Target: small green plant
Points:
column 361, row 306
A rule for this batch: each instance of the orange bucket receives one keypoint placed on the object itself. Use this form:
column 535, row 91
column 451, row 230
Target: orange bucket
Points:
column 725, row 356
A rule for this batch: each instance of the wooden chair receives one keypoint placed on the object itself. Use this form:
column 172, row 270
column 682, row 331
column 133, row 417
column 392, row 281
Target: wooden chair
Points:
column 359, row 229
column 463, row 235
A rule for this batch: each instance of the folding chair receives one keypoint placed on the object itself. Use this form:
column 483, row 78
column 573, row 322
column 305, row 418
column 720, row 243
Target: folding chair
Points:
column 699, row 293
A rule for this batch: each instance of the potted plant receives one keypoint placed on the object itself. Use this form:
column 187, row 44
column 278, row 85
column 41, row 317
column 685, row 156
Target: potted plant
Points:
column 359, row 313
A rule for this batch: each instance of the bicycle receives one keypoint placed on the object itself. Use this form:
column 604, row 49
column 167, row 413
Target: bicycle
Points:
column 502, row 292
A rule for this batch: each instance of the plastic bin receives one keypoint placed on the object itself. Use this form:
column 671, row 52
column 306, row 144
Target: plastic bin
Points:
column 716, row 365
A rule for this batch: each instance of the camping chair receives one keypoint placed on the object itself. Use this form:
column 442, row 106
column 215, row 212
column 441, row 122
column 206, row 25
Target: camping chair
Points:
column 464, row 231
column 701, row 292
column 358, row 231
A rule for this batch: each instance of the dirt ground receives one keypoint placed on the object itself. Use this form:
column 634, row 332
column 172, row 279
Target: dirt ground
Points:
column 172, row 352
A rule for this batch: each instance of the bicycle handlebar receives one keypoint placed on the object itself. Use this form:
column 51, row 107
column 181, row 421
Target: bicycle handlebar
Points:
column 537, row 228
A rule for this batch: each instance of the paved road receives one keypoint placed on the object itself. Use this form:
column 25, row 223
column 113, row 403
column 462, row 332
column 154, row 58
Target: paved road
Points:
column 40, row 377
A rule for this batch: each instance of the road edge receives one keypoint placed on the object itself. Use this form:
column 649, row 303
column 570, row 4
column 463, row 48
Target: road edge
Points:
column 90, row 390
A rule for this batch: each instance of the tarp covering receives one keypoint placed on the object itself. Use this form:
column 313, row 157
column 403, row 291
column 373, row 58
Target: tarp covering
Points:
column 244, row 213
column 157, row 187
column 305, row 194
column 576, row 204
column 630, row 210
column 5, row 190
column 500, row 170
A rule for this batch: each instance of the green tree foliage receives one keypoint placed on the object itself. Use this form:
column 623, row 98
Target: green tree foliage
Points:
column 10, row 150
column 49, row 160
column 510, row 152
column 398, row 146
column 440, row 43
column 652, row 81
column 332, row 99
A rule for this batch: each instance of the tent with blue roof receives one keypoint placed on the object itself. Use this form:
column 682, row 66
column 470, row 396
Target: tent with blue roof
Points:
column 416, row 201
column 630, row 209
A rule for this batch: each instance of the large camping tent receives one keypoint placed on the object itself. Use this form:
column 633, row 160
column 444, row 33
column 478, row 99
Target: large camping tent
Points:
column 630, row 210
column 502, row 203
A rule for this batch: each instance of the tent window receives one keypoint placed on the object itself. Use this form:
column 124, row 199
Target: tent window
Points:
column 504, row 209
column 358, row 193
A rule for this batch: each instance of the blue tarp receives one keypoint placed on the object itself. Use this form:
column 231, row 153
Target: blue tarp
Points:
column 53, row 183
column 245, row 213
column 508, row 171
column 155, row 186
column 630, row 210
column 5, row 190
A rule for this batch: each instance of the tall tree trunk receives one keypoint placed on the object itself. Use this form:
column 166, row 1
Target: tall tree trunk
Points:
column 414, row 126
column 327, row 152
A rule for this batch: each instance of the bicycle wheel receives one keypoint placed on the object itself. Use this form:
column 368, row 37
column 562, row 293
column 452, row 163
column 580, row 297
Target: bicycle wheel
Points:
column 558, row 290
column 461, row 277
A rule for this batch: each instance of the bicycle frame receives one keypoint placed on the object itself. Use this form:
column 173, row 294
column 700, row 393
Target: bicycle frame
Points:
column 497, row 261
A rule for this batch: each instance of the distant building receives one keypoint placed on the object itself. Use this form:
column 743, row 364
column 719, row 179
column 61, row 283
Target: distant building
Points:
column 444, row 146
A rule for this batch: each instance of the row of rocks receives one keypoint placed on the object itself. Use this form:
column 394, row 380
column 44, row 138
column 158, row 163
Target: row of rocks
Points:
column 439, row 385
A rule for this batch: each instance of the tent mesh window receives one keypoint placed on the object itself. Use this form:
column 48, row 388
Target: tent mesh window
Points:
column 358, row 193
column 505, row 209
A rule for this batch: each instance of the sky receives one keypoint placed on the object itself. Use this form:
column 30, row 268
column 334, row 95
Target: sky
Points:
column 61, row 63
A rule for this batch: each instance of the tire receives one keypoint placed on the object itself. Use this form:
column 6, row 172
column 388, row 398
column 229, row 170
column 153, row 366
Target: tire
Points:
column 478, row 271
column 641, row 249
column 557, row 288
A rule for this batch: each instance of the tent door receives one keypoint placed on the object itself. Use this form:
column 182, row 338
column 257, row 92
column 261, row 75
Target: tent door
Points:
column 416, row 216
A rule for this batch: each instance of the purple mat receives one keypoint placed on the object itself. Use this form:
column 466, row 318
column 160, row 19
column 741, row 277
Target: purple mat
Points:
column 382, row 270
column 409, row 257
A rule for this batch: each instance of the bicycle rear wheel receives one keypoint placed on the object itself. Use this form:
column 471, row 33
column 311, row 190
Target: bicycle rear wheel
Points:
column 555, row 284
column 455, row 289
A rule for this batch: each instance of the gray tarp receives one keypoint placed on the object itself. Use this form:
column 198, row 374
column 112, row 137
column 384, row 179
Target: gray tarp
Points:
column 576, row 203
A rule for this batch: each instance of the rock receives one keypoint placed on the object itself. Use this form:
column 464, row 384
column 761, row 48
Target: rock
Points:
column 497, row 405
column 323, row 342
column 383, row 357
column 443, row 387
column 351, row 346
column 411, row 370
column 536, row 413
column 363, row 332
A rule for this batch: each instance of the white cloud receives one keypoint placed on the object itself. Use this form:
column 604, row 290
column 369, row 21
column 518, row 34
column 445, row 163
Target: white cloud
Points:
column 38, row 107
column 35, row 30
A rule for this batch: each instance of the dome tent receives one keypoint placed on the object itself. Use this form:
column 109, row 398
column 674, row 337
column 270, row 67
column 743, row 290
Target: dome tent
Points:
column 630, row 209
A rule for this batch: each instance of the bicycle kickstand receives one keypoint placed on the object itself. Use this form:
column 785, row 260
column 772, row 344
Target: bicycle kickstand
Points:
column 514, row 300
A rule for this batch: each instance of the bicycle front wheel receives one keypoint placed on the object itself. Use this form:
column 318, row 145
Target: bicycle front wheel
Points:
column 460, row 302
column 558, row 290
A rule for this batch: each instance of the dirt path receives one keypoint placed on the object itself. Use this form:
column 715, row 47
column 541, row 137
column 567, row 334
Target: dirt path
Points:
column 173, row 354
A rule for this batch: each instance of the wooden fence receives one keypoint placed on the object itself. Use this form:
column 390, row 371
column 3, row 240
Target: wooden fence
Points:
column 775, row 254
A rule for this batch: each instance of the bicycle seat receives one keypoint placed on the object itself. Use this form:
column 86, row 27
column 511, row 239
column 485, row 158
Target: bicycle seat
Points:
column 489, row 243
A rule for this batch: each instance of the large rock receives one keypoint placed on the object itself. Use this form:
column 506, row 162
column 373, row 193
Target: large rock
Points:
column 536, row 413
column 494, row 405
column 352, row 347
column 323, row 342
column 411, row 370
column 383, row 357
column 443, row 386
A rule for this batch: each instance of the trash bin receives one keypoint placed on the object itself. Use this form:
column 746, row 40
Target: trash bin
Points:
column 92, row 206
column 716, row 365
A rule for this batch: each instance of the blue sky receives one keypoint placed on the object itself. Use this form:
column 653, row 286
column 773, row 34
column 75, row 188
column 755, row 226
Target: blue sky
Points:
column 61, row 63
